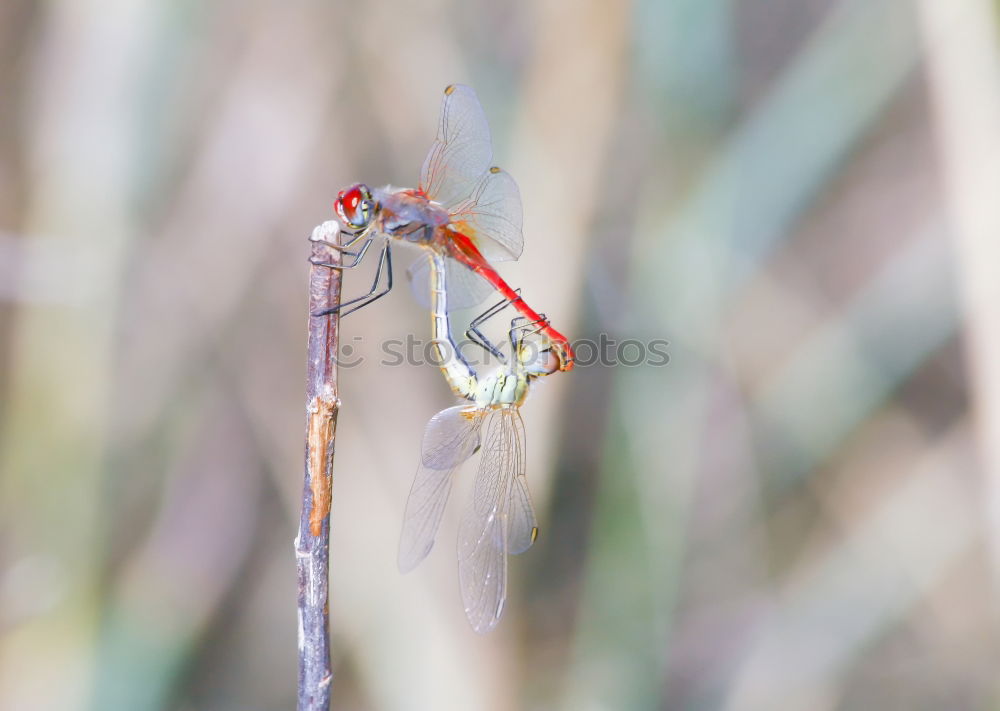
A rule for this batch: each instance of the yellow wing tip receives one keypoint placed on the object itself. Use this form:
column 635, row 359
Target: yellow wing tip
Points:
column 495, row 169
column 534, row 533
column 449, row 90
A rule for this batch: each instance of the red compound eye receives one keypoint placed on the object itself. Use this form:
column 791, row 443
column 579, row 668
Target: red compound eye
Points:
column 353, row 205
column 348, row 200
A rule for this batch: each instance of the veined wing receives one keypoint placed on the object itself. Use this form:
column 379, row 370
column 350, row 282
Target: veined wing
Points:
column 462, row 151
column 496, row 522
column 492, row 216
column 522, row 528
column 484, row 201
column 450, row 438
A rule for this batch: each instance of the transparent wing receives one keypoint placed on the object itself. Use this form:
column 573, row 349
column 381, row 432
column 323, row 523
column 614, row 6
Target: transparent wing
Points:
column 465, row 287
column 450, row 438
column 493, row 521
column 492, row 216
column 462, row 151
column 482, row 576
column 484, row 202
column 424, row 509
column 522, row 524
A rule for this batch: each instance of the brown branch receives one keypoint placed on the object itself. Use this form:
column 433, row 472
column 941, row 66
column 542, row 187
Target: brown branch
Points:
column 313, row 541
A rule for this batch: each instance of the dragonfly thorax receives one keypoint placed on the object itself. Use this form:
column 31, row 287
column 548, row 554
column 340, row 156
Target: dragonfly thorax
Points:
column 500, row 389
column 409, row 214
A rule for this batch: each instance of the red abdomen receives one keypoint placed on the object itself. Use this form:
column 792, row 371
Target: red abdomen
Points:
column 465, row 251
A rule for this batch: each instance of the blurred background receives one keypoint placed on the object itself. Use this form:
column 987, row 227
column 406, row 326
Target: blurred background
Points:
column 800, row 511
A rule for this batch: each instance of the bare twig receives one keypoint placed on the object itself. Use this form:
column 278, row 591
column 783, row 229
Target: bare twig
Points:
column 313, row 541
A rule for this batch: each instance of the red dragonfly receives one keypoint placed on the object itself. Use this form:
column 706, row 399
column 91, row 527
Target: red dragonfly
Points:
column 464, row 209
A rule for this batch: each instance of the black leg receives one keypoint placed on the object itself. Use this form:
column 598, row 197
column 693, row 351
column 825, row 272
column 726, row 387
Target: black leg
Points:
column 358, row 256
column 355, row 237
column 384, row 261
column 530, row 328
column 521, row 323
column 387, row 255
column 493, row 310
column 480, row 340
column 476, row 336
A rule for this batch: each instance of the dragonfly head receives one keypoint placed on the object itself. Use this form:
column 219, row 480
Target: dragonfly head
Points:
column 355, row 206
column 537, row 357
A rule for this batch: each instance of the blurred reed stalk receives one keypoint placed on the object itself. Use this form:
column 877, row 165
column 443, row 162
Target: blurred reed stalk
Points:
column 312, row 544
column 962, row 67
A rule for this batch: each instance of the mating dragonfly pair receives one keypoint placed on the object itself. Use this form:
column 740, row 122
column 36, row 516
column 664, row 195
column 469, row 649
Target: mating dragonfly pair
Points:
column 465, row 215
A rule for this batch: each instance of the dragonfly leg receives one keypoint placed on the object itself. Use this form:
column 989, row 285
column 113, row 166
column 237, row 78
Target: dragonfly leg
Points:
column 521, row 323
column 384, row 262
column 355, row 238
column 493, row 310
column 530, row 328
column 480, row 340
column 358, row 256
column 476, row 336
